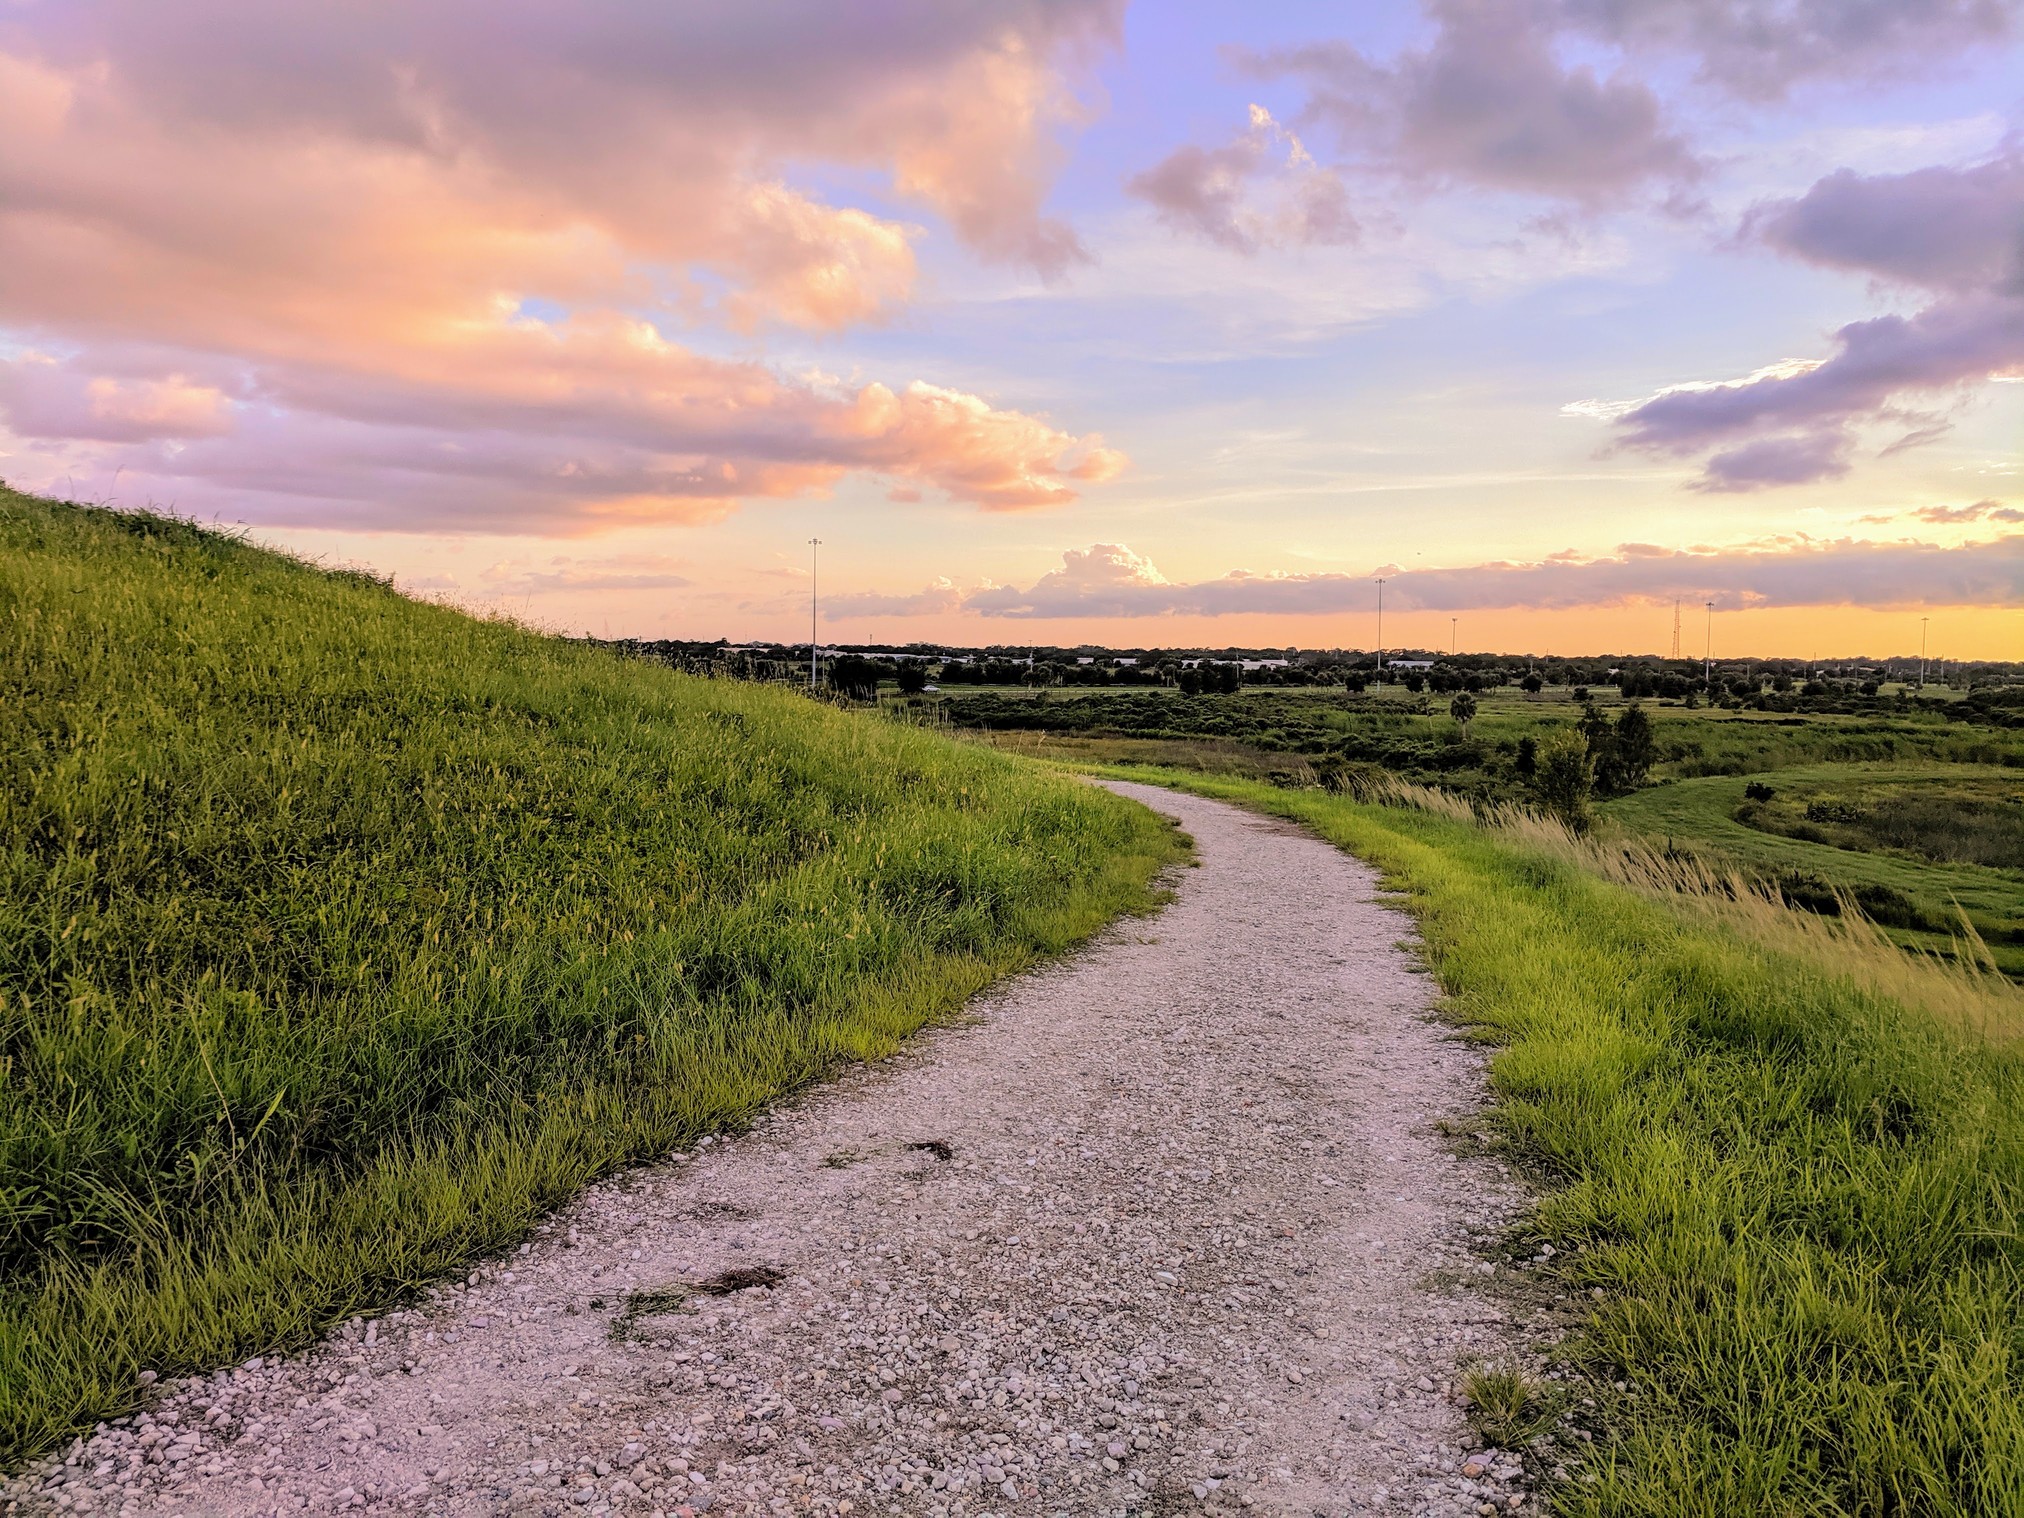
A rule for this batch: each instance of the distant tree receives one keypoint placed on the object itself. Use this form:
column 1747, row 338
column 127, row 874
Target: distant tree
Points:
column 1228, row 677
column 1598, row 742
column 1564, row 781
column 1191, row 680
column 854, row 676
column 1596, row 733
column 913, row 677
column 1416, row 682
column 1463, row 710
column 1527, row 762
column 1634, row 746
column 1531, row 684
column 1581, row 694
column 1354, row 680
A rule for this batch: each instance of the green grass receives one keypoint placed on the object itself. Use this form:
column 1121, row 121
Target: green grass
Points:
column 1415, row 737
column 1788, row 1162
column 1508, row 1408
column 1942, row 818
column 341, row 936
column 1705, row 812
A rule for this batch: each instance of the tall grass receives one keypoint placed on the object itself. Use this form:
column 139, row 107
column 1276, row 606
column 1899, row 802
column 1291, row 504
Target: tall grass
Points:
column 340, row 935
column 1790, row 1162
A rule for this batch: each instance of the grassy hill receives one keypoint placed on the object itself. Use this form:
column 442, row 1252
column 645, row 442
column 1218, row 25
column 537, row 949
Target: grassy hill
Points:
column 1919, row 899
column 342, row 935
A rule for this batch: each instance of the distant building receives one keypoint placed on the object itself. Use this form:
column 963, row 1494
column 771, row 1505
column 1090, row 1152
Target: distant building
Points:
column 1420, row 664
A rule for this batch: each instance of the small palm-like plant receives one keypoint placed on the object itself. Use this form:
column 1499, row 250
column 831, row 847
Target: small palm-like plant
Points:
column 1463, row 710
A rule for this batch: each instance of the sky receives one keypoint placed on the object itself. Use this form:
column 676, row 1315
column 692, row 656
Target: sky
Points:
column 1056, row 321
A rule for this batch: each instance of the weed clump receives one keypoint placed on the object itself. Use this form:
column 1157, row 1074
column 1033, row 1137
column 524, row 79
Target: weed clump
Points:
column 1507, row 1408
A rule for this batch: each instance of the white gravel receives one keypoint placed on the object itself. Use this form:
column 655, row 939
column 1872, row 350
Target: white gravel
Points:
column 1168, row 1228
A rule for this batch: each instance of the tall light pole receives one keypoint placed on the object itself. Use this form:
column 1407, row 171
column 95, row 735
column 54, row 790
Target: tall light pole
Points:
column 1453, row 640
column 1922, row 651
column 1380, row 630
column 814, row 551
column 1708, row 659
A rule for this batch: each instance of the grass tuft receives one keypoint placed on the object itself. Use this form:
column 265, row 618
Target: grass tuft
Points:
column 1507, row 1408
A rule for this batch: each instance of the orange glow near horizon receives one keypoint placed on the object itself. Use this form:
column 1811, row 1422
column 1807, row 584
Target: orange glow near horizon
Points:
column 1821, row 632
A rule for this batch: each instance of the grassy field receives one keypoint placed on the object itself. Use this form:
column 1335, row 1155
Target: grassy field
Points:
column 1917, row 897
column 341, row 936
column 1786, row 1155
column 1916, row 864
column 1212, row 756
column 1417, row 739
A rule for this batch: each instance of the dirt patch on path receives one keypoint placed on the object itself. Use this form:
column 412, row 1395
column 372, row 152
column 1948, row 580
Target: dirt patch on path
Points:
column 1169, row 1229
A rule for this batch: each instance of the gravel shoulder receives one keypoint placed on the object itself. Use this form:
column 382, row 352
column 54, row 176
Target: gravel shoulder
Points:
column 1165, row 1228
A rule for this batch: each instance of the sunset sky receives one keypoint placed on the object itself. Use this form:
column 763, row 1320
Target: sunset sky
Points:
column 1056, row 320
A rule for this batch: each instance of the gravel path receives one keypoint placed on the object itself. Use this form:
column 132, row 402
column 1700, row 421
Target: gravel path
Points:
column 1167, row 1229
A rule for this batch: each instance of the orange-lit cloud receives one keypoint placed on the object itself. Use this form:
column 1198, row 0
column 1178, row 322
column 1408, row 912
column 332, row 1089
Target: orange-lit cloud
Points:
column 422, row 267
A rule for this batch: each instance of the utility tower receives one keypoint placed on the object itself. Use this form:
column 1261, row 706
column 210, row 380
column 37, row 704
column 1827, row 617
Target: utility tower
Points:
column 1380, row 630
column 1708, row 671
column 1676, row 627
column 814, row 550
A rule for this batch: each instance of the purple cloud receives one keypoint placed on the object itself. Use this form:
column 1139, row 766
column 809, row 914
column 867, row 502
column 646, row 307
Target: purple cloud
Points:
column 1947, row 229
column 1110, row 580
column 1761, row 49
column 1495, row 100
column 1956, row 231
column 1942, row 347
column 1488, row 103
column 1772, row 461
column 1208, row 192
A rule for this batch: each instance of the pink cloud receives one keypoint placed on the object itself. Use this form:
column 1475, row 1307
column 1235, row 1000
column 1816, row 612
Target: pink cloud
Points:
column 46, row 399
column 1980, row 511
column 596, row 423
column 285, row 256
column 1110, row 580
column 1208, row 191
column 563, row 574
